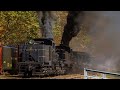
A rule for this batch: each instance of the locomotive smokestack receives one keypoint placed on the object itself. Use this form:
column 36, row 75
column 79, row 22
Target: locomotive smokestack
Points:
column 46, row 22
column 72, row 28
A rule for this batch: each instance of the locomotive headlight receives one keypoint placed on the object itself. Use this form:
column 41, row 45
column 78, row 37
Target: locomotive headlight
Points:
column 31, row 42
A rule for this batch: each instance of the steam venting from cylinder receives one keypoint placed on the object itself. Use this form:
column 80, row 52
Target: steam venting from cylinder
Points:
column 72, row 28
column 46, row 22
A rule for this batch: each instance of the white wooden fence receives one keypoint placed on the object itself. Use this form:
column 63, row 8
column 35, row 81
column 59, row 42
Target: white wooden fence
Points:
column 97, row 71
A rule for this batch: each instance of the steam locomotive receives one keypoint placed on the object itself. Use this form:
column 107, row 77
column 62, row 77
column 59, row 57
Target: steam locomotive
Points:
column 38, row 57
column 41, row 57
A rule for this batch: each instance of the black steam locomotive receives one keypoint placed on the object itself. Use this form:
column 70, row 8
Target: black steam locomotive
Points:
column 41, row 57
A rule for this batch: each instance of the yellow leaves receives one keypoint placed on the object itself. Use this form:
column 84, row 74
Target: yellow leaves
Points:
column 24, row 24
column 57, row 39
column 18, row 25
column 1, row 30
column 59, row 25
column 82, row 40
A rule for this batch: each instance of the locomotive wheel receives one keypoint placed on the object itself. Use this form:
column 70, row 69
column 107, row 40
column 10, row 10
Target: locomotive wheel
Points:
column 27, row 74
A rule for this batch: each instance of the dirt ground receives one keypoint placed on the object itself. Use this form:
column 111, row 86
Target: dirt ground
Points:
column 71, row 76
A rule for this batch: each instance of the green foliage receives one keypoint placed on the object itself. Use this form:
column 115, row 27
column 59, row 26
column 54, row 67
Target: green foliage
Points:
column 18, row 26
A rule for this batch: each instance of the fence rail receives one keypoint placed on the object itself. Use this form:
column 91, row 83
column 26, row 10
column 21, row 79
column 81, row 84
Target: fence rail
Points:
column 103, row 73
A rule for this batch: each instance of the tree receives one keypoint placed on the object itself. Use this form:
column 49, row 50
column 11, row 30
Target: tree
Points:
column 18, row 26
column 59, row 25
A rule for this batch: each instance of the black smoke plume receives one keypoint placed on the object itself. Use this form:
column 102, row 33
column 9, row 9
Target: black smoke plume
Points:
column 71, row 29
column 46, row 22
column 104, row 32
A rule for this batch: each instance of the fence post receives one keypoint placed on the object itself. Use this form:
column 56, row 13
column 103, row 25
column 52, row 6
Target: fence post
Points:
column 103, row 76
column 85, row 74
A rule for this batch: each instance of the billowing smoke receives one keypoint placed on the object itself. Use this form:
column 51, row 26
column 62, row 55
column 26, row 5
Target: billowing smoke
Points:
column 71, row 29
column 46, row 21
column 105, row 34
column 104, row 30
